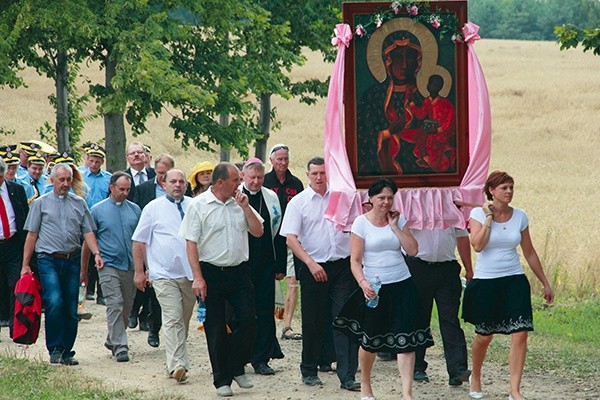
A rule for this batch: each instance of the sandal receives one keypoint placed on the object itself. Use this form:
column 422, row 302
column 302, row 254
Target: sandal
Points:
column 290, row 336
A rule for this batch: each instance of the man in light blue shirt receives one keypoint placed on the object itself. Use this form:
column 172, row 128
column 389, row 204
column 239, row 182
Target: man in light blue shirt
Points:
column 116, row 219
column 97, row 181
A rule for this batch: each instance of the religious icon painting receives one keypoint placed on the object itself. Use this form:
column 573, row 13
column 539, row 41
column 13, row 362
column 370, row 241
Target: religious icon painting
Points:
column 405, row 93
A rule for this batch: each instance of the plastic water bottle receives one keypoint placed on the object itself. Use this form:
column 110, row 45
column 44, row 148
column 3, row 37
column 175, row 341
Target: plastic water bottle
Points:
column 375, row 285
column 463, row 282
column 201, row 316
column 81, row 297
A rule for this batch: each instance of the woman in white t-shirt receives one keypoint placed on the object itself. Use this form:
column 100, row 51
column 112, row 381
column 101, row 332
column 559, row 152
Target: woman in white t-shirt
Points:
column 392, row 327
column 498, row 298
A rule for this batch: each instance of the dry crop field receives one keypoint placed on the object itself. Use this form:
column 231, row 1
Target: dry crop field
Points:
column 546, row 128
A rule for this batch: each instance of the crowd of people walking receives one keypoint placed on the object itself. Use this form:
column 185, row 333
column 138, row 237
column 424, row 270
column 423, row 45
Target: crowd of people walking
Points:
column 151, row 241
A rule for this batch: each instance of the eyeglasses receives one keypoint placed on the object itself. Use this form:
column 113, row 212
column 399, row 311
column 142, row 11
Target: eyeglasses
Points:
column 277, row 148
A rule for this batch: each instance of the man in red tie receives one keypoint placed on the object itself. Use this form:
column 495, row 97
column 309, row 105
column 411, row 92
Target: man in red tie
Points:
column 13, row 213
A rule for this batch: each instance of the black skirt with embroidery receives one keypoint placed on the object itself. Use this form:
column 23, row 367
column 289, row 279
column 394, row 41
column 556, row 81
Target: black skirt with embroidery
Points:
column 390, row 327
column 499, row 305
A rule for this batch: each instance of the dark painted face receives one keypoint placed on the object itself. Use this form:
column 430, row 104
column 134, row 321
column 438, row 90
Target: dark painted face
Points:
column 404, row 65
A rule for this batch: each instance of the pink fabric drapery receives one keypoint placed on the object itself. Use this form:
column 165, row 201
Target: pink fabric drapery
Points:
column 424, row 208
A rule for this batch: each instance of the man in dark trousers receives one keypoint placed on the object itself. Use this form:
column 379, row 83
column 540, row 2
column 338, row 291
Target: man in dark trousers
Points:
column 13, row 213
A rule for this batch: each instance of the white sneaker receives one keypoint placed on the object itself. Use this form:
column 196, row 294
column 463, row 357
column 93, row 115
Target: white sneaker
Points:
column 243, row 381
column 224, row 391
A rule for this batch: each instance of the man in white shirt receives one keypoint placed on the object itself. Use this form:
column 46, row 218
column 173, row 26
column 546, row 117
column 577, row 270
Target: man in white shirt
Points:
column 325, row 278
column 436, row 274
column 156, row 242
column 216, row 229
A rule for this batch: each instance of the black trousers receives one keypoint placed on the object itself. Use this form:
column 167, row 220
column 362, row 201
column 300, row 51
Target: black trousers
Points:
column 228, row 353
column 316, row 318
column 93, row 280
column 441, row 282
column 11, row 258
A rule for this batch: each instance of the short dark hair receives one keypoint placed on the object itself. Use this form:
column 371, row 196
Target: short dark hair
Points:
column 380, row 184
column 115, row 177
column 221, row 171
column 318, row 160
column 495, row 179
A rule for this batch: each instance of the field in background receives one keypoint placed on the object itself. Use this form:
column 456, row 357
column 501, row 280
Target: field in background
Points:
column 546, row 128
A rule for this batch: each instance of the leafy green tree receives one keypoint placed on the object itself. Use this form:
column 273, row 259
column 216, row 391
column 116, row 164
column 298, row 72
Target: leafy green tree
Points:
column 570, row 36
column 41, row 35
column 310, row 25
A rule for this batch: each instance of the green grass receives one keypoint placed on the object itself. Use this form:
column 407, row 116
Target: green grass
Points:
column 24, row 379
column 566, row 339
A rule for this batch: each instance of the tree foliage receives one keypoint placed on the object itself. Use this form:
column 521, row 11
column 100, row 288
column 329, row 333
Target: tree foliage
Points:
column 570, row 36
column 530, row 19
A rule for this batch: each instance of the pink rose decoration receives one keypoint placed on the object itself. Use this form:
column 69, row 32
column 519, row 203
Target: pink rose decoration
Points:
column 379, row 21
column 435, row 23
column 413, row 10
column 360, row 31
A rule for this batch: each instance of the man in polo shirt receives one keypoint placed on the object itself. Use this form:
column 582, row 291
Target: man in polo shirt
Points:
column 57, row 223
column 98, row 182
column 216, row 229
column 116, row 219
column 281, row 181
column 169, row 271
column 325, row 278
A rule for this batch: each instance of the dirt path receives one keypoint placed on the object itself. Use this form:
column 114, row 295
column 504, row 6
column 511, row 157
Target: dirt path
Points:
column 146, row 372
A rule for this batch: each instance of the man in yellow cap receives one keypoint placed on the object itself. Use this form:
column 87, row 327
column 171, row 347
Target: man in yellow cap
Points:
column 27, row 148
column 35, row 181
column 98, row 182
column 11, row 157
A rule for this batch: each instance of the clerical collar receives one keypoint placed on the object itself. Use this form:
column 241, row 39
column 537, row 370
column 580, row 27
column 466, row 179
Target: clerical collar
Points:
column 250, row 191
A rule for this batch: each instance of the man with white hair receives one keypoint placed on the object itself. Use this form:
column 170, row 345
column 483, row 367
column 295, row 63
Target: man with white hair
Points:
column 281, row 181
column 267, row 263
column 57, row 224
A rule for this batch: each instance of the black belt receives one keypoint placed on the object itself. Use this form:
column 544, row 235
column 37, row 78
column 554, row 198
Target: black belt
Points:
column 2, row 241
column 222, row 268
column 66, row 256
column 335, row 262
column 429, row 262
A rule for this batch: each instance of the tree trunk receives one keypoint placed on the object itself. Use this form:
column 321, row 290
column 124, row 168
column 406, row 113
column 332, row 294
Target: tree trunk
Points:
column 114, row 127
column 62, row 104
column 264, row 125
column 225, row 150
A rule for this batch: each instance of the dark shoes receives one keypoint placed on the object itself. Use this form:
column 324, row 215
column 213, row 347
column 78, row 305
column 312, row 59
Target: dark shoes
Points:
column 101, row 301
column 3, row 323
column 326, row 368
column 89, row 296
column 66, row 360
column 420, row 376
column 263, row 369
column 84, row 315
column 69, row 360
column 458, row 379
column 144, row 325
column 122, row 356
column 312, row 380
column 351, row 385
column 153, row 340
column 133, row 322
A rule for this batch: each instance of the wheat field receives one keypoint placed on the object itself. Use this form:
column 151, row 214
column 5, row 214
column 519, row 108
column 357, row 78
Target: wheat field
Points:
column 546, row 126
